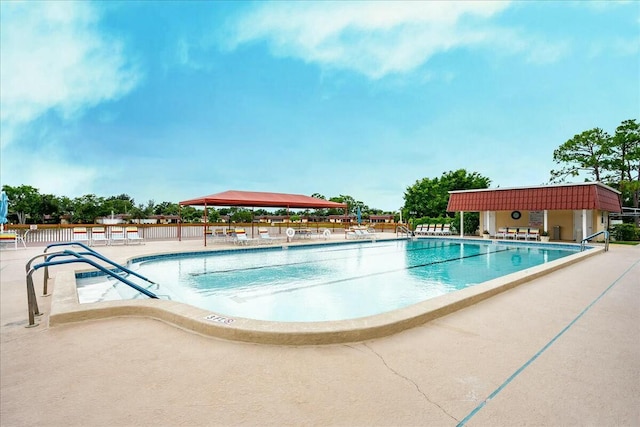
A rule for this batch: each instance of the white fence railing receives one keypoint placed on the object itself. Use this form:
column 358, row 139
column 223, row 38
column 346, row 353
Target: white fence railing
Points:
column 44, row 234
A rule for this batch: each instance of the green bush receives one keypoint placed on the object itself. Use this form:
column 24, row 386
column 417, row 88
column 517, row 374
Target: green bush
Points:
column 625, row 232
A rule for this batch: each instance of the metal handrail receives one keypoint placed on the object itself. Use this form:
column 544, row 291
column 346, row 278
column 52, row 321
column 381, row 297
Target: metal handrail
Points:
column 606, row 240
column 31, row 294
column 89, row 252
column 404, row 230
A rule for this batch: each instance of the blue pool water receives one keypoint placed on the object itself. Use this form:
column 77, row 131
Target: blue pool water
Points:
column 334, row 282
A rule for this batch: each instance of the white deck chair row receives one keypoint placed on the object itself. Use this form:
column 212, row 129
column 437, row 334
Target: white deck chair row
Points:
column 433, row 230
column 517, row 233
column 98, row 235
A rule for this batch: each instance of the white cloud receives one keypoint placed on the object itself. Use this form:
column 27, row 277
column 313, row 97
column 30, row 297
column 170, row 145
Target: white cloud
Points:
column 54, row 58
column 372, row 38
column 49, row 171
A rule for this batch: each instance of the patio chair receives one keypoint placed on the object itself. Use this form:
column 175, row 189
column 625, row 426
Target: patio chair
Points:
column 266, row 238
column 241, row 237
column 218, row 235
column 117, row 235
column 434, row 229
column 512, row 233
column 501, row 233
column 363, row 233
column 424, row 229
column 533, row 233
column 522, row 233
column 9, row 238
column 445, row 231
column 99, row 235
column 80, row 234
column 350, row 233
column 133, row 236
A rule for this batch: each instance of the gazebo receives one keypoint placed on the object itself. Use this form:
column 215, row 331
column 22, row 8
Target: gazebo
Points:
column 259, row 199
column 574, row 211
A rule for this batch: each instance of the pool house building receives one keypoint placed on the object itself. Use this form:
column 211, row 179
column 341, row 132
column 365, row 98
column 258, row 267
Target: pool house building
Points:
column 567, row 212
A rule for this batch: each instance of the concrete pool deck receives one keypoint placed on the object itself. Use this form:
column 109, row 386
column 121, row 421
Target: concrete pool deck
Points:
column 563, row 349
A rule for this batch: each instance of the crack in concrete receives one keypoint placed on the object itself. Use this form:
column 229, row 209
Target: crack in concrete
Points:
column 412, row 382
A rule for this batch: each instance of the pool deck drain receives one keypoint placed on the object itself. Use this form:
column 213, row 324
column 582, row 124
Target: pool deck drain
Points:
column 433, row 374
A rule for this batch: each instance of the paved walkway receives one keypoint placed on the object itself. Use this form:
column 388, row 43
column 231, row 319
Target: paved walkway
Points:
column 560, row 350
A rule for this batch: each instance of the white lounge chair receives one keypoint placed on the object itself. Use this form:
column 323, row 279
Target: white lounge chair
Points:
column 99, row 235
column 434, row 229
column 133, row 236
column 241, row 237
column 512, row 233
column 266, row 238
column 445, row 231
column 423, row 229
column 501, row 233
column 522, row 233
column 533, row 234
column 117, row 235
column 80, row 234
column 9, row 238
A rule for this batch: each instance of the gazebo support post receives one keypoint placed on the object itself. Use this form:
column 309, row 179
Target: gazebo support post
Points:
column 205, row 224
column 461, row 223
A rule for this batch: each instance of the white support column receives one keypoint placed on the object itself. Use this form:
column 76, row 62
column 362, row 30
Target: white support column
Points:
column 485, row 226
column 584, row 223
column 546, row 220
column 461, row 223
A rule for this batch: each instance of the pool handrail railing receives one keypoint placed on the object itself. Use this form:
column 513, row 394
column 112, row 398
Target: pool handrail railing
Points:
column 401, row 229
column 606, row 240
column 32, row 303
column 89, row 252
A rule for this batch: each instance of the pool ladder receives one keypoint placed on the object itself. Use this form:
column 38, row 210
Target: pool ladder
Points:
column 401, row 229
column 75, row 257
column 586, row 239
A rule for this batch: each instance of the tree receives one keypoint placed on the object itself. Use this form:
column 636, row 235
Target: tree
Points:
column 612, row 160
column 190, row 214
column 429, row 197
column 87, row 208
column 241, row 215
column 625, row 161
column 586, row 152
column 24, row 202
column 122, row 204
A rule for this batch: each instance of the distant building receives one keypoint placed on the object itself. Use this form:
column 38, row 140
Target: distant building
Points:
column 381, row 219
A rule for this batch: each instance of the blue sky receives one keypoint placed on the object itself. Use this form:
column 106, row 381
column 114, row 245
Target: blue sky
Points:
column 167, row 101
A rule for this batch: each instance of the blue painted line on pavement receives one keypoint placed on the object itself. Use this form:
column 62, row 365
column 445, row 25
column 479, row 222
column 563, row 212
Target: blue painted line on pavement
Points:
column 542, row 350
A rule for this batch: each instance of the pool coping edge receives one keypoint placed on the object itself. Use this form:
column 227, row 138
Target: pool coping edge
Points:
column 66, row 309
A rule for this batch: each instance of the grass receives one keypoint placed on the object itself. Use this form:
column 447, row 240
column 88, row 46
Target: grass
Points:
column 623, row 242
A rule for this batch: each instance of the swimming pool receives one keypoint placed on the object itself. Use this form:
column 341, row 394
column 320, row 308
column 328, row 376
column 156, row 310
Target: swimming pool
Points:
column 332, row 281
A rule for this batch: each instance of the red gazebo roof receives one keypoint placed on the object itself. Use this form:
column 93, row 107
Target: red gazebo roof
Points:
column 262, row 199
column 588, row 195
